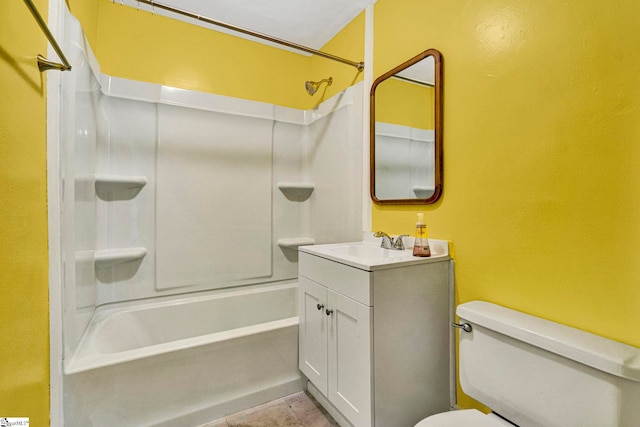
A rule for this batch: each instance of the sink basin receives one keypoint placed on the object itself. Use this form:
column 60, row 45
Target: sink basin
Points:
column 368, row 255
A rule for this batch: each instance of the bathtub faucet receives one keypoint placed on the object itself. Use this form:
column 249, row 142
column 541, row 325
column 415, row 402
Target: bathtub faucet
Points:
column 389, row 242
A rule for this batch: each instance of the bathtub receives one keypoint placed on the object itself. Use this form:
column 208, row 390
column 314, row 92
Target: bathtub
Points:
column 184, row 361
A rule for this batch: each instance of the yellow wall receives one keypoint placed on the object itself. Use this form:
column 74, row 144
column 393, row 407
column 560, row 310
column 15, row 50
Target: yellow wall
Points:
column 87, row 13
column 405, row 104
column 140, row 46
column 348, row 44
column 541, row 152
column 24, row 336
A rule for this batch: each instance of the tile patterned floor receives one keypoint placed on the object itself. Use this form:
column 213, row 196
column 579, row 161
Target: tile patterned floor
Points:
column 296, row 410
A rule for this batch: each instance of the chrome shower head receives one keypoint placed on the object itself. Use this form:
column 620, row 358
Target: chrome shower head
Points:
column 312, row 87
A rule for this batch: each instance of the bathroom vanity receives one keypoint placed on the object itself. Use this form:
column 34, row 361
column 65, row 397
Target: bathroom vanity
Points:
column 374, row 334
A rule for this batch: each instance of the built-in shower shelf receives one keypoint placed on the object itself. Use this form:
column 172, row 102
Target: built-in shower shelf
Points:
column 119, row 182
column 111, row 257
column 423, row 192
column 297, row 191
column 294, row 242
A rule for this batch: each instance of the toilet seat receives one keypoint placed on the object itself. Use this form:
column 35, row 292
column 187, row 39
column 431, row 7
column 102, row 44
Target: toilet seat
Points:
column 466, row 418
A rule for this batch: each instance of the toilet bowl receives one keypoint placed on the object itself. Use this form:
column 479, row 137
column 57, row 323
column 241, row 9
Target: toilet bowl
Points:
column 538, row 373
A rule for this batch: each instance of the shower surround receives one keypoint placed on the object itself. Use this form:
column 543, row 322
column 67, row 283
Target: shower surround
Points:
column 176, row 205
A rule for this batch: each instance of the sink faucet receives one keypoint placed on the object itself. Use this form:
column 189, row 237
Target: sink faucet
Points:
column 389, row 242
column 386, row 240
column 398, row 243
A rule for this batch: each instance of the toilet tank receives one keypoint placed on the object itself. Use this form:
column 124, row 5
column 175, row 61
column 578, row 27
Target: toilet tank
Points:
column 538, row 373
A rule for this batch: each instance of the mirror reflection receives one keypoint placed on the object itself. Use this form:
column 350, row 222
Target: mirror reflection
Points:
column 406, row 152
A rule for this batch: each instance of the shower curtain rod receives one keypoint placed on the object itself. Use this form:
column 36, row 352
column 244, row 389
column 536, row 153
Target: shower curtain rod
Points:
column 43, row 63
column 152, row 3
column 418, row 82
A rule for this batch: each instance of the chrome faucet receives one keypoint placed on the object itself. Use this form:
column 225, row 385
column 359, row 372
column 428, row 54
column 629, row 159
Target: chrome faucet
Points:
column 398, row 243
column 386, row 240
column 389, row 242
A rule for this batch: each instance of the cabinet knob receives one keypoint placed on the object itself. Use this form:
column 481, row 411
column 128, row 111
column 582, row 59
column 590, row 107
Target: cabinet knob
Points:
column 328, row 311
column 320, row 306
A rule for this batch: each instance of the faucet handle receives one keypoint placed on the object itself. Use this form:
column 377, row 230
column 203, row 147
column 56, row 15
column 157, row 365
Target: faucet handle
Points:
column 398, row 243
column 386, row 240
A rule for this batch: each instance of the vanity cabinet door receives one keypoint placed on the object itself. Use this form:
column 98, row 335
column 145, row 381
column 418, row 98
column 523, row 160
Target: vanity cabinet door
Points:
column 312, row 303
column 349, row 358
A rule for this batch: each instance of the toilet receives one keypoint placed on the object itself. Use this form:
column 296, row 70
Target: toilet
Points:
column 536, row 373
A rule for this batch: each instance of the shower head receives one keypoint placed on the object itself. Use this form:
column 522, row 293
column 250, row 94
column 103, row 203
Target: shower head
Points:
column 312, row 87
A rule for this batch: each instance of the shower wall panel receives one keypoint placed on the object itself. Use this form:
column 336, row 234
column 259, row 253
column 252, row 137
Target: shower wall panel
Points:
column 126, row 215
column 79, row 130
column 335, row 161
column 213, row 201
column 290, row 214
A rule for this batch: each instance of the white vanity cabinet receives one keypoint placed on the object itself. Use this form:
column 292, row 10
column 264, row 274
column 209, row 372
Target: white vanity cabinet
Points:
column 375, row 337
column 335, row 341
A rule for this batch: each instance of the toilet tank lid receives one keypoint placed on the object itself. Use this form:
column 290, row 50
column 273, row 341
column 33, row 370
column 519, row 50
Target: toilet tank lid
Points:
column 601, row 353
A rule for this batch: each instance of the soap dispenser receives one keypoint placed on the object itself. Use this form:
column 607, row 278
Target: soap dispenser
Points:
column 421, row 245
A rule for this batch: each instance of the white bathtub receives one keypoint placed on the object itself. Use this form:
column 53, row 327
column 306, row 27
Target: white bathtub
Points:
column 184, row 361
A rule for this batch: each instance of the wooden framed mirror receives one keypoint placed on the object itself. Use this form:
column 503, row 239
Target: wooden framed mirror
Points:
column 406, row 132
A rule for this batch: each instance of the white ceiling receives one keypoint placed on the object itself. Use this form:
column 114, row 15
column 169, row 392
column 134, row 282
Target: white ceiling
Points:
column 311, row 23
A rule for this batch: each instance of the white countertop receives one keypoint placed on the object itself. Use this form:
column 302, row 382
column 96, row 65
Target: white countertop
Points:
column 368, row 255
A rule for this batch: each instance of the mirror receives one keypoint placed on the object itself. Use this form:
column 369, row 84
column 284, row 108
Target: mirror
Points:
column 406, row 132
